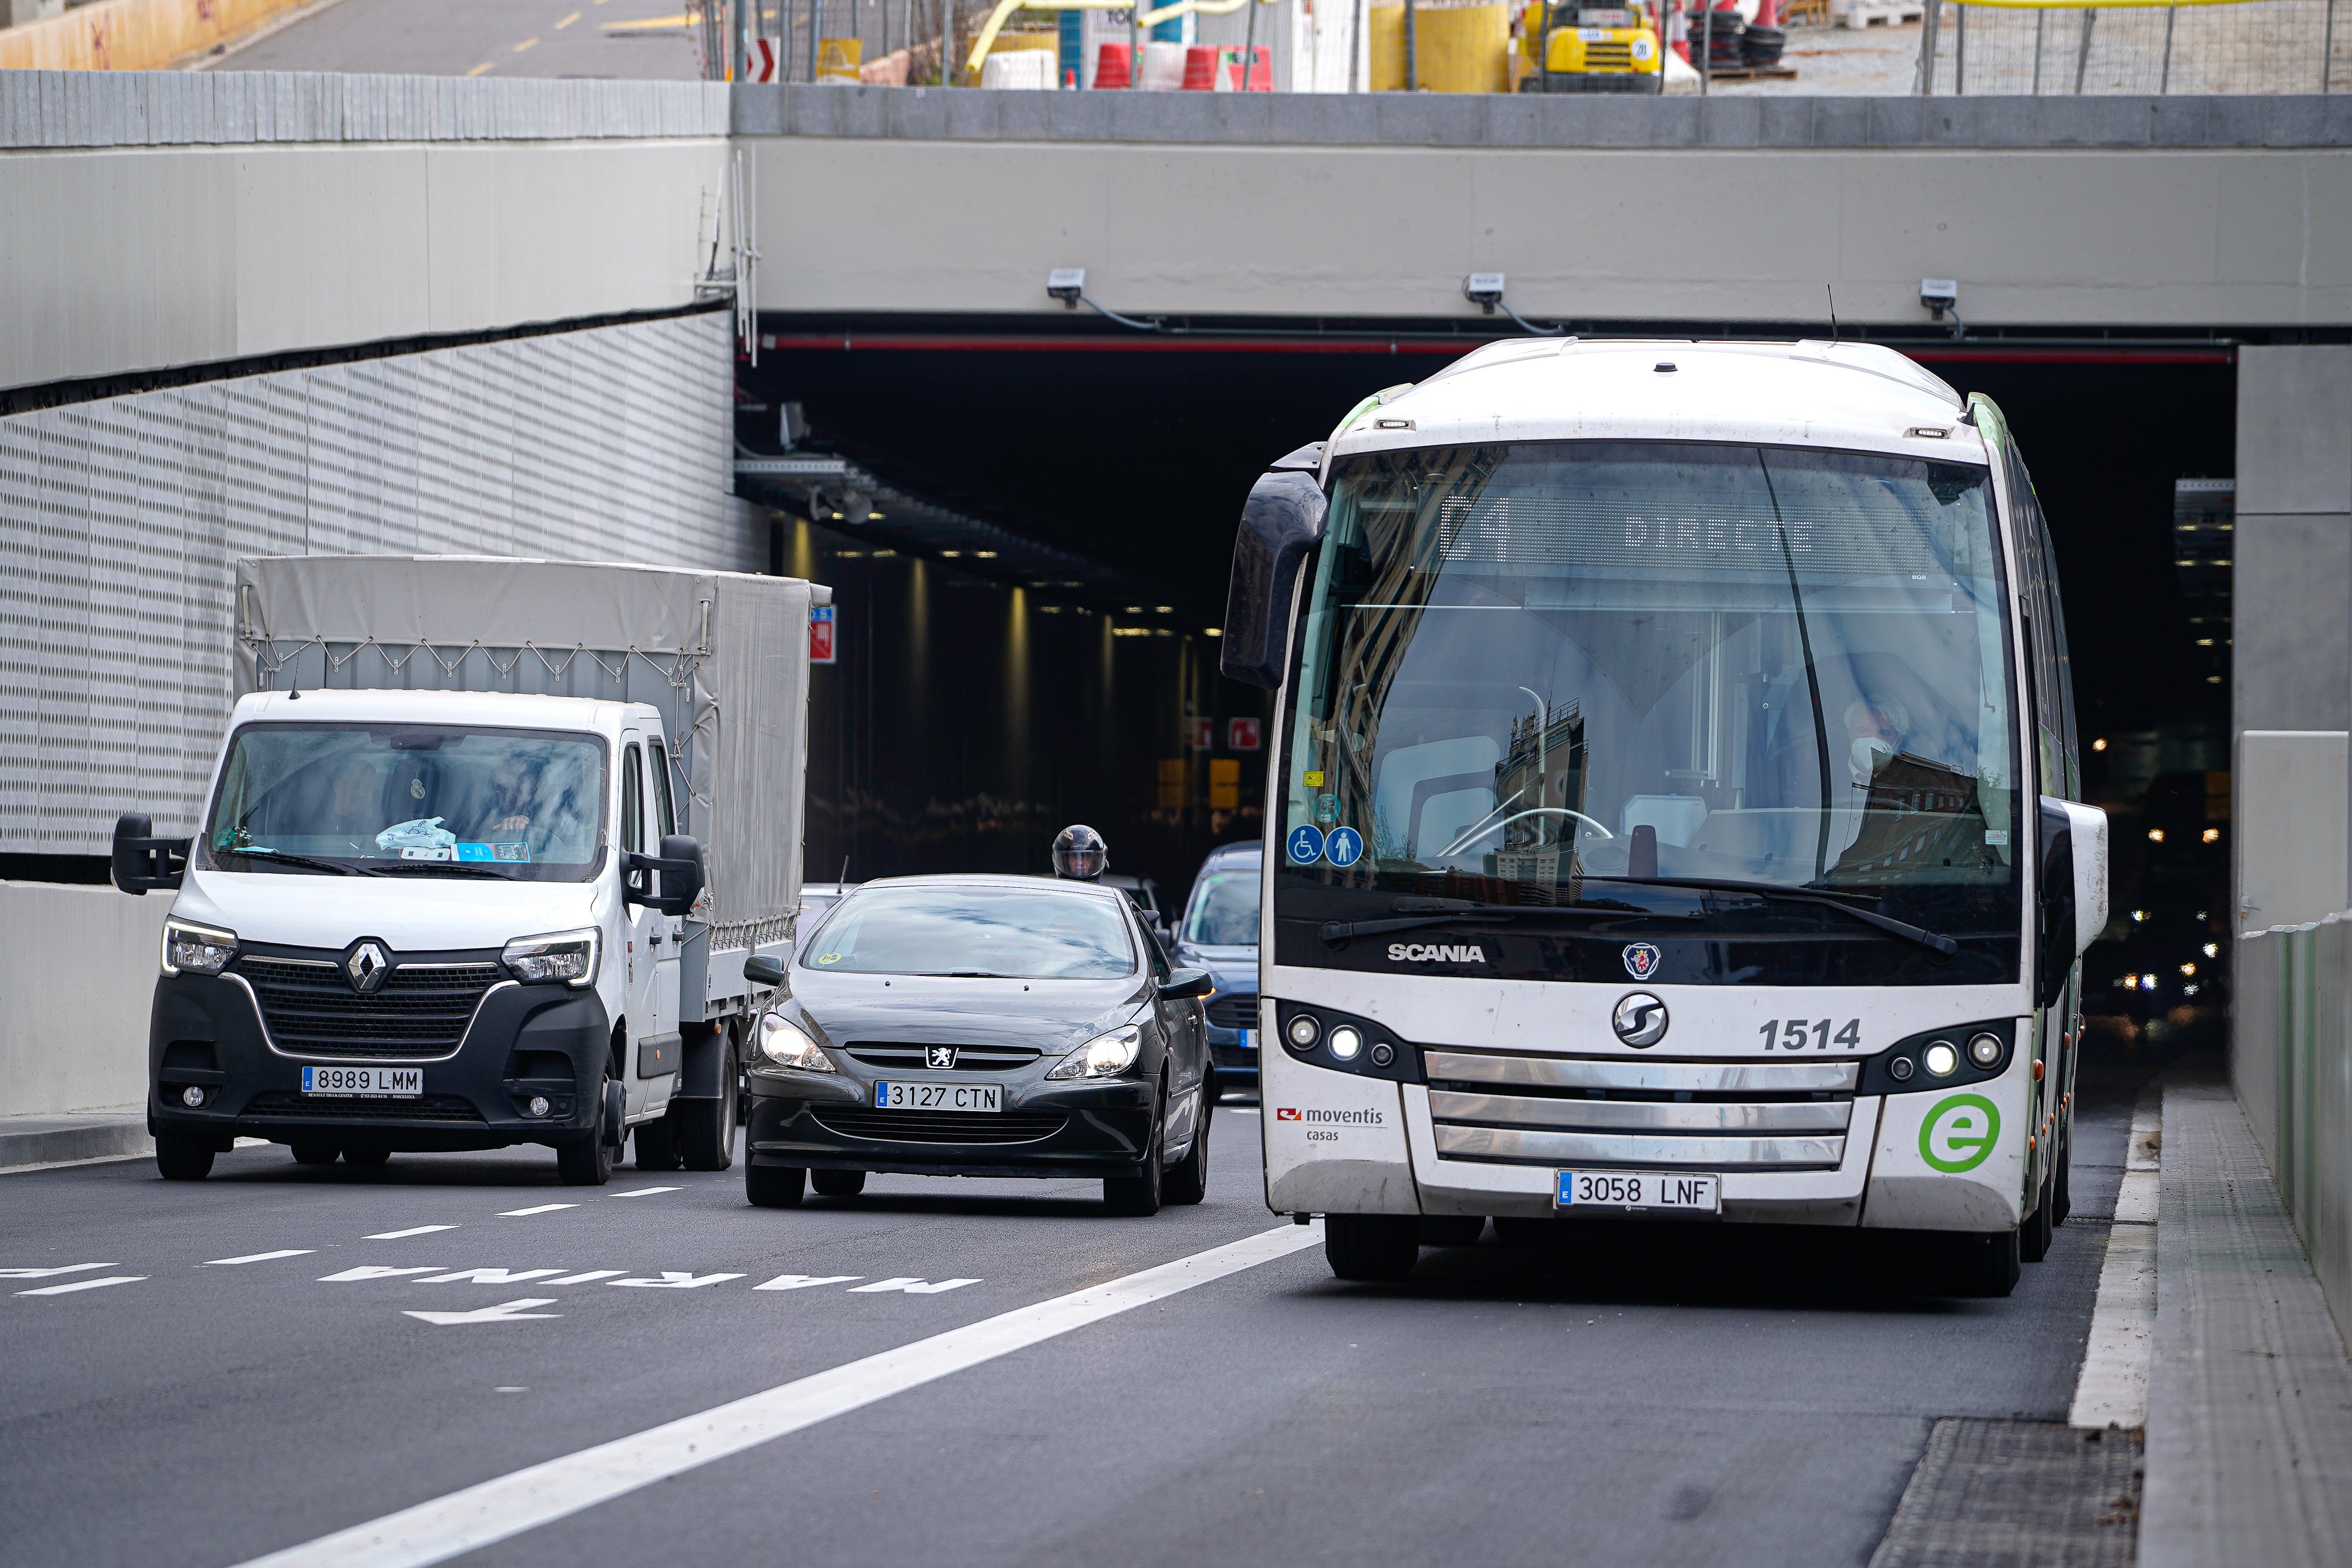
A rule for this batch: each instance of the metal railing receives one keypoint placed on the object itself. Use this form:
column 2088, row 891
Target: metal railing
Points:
column 2141, row 47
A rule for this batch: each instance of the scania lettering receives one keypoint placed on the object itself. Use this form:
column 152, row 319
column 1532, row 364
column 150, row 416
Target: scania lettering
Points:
column 1715, row 697
column 488, row 850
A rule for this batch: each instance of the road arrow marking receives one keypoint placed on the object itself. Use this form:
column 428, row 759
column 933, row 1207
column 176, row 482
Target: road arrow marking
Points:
column 374, row 1272
column 679, row 1279
column 803, row 1281
column 504, row 1313
column 910, row 1285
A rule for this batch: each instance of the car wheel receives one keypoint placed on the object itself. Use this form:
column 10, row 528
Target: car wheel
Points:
column 1188, row 1182
column 657, row 1144
column 705, row 1128
column 316, row 1153
column 1372, row 1246
column 184, row 1157
column 775, row 1187
column 366, row 1158
column 1137, row 1196
column 2033, row 1236
column 1983, row 1266
column 837, row 1183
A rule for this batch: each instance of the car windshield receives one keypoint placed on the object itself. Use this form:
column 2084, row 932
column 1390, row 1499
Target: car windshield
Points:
column 1010, row 932
column 526, row 804
column 1777, row 665
column 1225, row 910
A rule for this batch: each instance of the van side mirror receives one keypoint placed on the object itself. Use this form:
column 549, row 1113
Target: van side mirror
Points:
column 142, row 860
column 1184, row 985
column 679, row 869
column 1281, row 522
column 2073, row 900
column 764, row 969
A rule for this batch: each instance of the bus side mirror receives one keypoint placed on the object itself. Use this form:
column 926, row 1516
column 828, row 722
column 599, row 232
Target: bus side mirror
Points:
column 142, row 860
column 2074, row 902
column 1281, row 522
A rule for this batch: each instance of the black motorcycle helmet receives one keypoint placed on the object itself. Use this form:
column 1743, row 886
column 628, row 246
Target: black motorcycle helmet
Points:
column 1080, row 854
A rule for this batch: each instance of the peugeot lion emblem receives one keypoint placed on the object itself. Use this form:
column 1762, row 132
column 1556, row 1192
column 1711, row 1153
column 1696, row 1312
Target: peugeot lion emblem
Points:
column 367, row 967
column 1640, row 1020
column 1641, row 959
column 941, row 1056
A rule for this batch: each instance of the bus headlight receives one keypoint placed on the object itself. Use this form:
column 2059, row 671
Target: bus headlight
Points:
column 193, row 949
column 1105, row 1056
column 1940, row 1059
column 1346, row 1042
column 787, row 1044
column 1303, row 1031
column 1984, row 1049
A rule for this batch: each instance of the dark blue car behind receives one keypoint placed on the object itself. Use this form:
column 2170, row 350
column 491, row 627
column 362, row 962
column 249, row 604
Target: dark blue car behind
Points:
column 1219, row 933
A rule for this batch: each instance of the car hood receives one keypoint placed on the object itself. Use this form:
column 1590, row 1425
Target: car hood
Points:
column 415, row 915
column 1052, row 1016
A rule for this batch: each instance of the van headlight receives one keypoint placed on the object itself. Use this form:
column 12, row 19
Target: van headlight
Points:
column 787, row 1044
column 1105, row 1056
column 568, row 958
column 193, row 949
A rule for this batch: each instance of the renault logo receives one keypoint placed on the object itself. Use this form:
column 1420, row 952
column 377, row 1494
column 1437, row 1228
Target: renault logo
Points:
column 366, row 967
column 1640, row 1020
column 939, row 1056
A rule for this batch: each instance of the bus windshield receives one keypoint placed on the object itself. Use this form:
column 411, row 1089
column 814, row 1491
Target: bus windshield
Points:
column 1526, row 667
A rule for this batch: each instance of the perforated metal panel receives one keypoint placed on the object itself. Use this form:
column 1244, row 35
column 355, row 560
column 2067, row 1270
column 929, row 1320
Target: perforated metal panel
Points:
column 119, row 520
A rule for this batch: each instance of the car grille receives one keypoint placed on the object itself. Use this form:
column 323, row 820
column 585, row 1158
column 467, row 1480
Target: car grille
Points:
column 316, row 1108
column 421, row 1009
column 968, row 1058
column 938, row 1126
column 1237, row 1009
column 1555, row 1111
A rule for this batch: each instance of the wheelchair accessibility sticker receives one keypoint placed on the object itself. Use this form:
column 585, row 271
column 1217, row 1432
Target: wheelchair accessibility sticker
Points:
column 1959, row 1133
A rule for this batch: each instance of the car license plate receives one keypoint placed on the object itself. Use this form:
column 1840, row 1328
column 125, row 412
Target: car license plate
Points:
column 975, row 1097
column 1249, row 1040
column 369, row 1082
column 1639, row 1189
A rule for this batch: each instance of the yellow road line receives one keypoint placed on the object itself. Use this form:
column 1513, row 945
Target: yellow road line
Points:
column 479, row 69
column 524, row 44
column 567, row 21
column 643, row 25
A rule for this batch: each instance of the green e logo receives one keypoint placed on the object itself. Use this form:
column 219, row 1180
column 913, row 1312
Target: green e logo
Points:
column 1960, row 1134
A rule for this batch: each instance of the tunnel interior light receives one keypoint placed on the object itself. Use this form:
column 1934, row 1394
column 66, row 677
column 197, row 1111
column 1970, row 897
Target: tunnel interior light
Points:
column 2139, row 915
column 2131, row 982
column 2187, row 969
column 2212, row 949
column 2155, row 835
column 885, row 554
column 1212, row 631
column 949, row 554
column 2212, row 835
column 984, row 554
column 2099, row 744
column 1163, row 610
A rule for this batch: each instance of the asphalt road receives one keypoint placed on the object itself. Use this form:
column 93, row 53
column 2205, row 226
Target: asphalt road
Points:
column 480, row 37
column 1708, row 1395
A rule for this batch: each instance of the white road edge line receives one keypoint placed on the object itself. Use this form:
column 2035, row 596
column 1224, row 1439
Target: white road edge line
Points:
column 2113, row 1389
column 494, row 1511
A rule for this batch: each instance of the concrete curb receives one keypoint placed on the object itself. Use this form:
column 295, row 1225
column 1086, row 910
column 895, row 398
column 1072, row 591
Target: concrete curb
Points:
column 113, row 1134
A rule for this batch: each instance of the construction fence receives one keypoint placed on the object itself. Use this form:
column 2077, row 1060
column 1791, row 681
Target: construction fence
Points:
column 2016, row 47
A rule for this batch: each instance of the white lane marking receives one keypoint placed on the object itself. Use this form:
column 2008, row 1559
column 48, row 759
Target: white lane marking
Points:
column 679, row 1279
column 257, row 1257
column 803, row 1281
column 72, row 1285
column 504, row 1313
column 2113, row 1389
column 644, row 1192
column 374, row 1272
column 540, row 1494
column 591, row 1274
column 543, row 1208
column 411, row 1231
column 911, row 1285
column 487, row 1276
column 52, row 1272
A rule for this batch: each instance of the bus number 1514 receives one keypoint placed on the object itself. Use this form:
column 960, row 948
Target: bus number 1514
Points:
column 1798, row 1034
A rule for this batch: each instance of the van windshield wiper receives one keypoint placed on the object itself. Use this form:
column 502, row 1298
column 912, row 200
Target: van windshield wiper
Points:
column 444, row 868
column 1415, row 913
column 303, row 860
column 1935, row 942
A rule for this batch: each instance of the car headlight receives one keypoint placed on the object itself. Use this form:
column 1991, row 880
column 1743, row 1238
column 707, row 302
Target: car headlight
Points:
column 194, row 949
column 568, row 958
column 787, row 1044
column 1105, row 1056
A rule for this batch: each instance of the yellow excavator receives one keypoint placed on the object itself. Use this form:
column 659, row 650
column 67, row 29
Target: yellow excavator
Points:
column 1574, row 48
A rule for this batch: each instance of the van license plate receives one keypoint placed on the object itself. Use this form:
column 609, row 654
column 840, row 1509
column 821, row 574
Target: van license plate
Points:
column 367, row 1082
column 1639, row 1189
column 976, row 1097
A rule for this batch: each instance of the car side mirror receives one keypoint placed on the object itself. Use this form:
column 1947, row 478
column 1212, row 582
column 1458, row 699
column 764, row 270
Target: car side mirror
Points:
column 1281, row 522
column 142, row 860
column 1185, row 985
column 764, row 969
column 678, row 868
column 2073, row 907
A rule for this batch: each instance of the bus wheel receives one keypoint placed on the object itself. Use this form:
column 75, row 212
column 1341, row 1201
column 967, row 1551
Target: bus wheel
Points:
column 2063, row 1191
column 1984, row 1266
column 2033, row 1236
column 1372, row 1246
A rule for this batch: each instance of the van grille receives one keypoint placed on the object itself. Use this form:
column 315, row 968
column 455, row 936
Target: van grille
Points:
column 420, row 1011
column 317, row 1108
column 1237, row 1009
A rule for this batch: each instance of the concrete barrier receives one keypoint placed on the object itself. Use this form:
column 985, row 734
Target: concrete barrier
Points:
column 77, row 975
column 132, row 35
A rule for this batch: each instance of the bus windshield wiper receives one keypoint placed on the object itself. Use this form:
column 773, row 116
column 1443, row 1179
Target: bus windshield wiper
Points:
column 1935, row 942
column 303, row 860
column 1414, row 912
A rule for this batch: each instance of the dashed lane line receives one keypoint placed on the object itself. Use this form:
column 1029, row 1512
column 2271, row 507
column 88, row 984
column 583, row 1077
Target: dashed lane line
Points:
column 644, row 1192
column 257, row 1257
column 50, row 1271
column 411, row 1231
column 541, row 1208
column 524, row 1500
column 70, row 1286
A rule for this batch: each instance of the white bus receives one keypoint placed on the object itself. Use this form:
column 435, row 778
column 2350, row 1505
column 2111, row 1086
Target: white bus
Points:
column 1675, row 812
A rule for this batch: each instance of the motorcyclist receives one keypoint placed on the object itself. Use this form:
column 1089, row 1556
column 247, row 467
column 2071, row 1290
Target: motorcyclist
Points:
column 1080, row 854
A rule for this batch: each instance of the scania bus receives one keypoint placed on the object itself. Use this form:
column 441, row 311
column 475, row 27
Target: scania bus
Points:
column 1676, row 812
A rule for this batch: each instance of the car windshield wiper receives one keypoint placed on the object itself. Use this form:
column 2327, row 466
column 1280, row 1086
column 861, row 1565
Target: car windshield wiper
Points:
column 1415, row 913
column 443, row 867
column 975, row 975
column 304, row 860
column 1935, row 942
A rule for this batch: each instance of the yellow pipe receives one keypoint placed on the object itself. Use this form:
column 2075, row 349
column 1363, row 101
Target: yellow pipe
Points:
column 1005, row 9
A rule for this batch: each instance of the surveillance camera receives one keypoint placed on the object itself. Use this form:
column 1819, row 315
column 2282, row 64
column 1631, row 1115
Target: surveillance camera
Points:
column 1938, row 295
column 1066, row 284
column 1484, row 289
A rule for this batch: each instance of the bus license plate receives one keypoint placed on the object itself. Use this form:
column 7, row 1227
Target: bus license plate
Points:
column 367, row 1082
column 976, row 1097
column 1639, row 1189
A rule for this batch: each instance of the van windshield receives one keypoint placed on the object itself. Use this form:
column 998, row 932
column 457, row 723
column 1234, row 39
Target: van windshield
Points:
column 1225, row 910
column 528, row 805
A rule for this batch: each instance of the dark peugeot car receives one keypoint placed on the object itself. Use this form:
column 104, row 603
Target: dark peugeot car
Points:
column 1220, row 934
column 1001, row 1026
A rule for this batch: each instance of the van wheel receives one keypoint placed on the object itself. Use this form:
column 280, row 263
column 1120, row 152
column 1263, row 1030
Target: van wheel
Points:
column 584, row 1162
column 1372, row 1246
column 657, row 1144
column 184, row 1157
column 705, row 1128
column 775, row 1187
column 837, row 1183
column 315, row 1154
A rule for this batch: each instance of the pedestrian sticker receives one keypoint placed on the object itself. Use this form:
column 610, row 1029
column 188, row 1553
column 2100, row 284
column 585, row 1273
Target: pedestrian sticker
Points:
column 1960, row 1134
column 1305, row 844
column 1345, row 847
